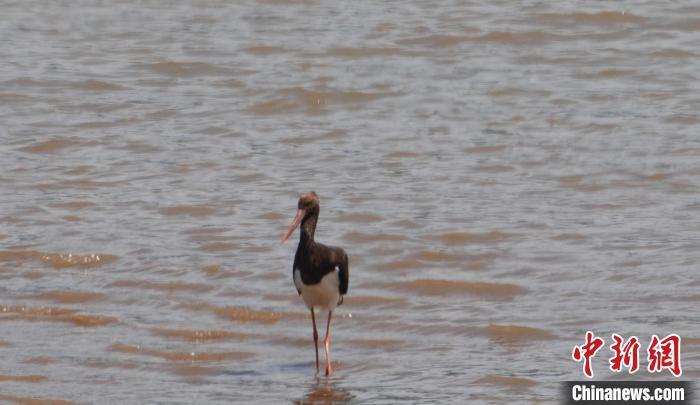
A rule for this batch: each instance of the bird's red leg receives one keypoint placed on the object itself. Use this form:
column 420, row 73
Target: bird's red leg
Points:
column 313, row 320
column 327, row 341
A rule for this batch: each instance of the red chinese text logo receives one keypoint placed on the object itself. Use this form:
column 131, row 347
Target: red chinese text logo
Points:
column 663, row 354
column 586, row 351
column 625, row 355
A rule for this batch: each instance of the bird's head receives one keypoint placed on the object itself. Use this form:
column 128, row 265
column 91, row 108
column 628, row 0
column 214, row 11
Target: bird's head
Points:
column 308, row 204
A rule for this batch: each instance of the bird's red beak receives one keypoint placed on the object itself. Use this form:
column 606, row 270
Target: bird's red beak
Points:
column 294, row 225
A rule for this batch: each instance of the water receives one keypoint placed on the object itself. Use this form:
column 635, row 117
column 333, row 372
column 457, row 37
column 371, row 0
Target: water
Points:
column 504, row 177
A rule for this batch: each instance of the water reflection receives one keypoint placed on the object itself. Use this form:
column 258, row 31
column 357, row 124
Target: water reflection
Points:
column 325, row 391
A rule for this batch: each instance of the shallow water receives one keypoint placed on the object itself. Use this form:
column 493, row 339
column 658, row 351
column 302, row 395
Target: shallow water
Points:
column 503, row 176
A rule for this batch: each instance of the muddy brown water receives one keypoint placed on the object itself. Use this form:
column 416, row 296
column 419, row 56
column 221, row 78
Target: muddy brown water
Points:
column 504, row 176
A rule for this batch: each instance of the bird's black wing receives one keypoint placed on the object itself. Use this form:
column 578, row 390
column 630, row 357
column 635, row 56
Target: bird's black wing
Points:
column 344, row 273
column 294, row 266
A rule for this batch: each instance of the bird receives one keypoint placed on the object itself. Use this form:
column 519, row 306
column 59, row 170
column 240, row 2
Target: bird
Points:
column 320, row 273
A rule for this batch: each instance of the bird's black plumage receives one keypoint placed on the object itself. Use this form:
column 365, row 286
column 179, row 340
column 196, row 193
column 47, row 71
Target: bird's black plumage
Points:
column 318, row 270
column 314, row 260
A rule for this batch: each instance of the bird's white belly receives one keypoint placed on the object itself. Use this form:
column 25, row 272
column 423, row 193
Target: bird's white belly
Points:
column 325, row 294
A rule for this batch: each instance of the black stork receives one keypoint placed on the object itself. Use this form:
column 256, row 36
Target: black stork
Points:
column 320, row 272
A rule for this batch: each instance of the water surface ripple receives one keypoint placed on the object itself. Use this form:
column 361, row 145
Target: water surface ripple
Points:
column 504, row 176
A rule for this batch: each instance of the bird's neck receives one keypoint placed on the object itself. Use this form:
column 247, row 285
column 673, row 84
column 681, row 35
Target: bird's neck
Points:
column 308, row 228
